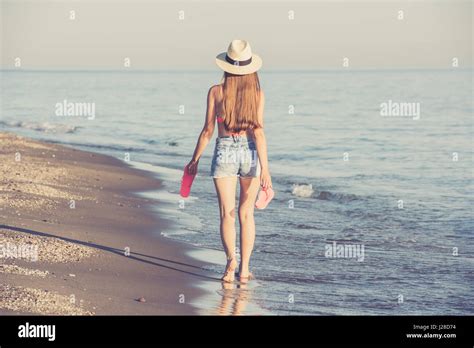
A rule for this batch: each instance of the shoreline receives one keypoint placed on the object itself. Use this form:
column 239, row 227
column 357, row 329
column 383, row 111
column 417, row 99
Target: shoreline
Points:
column 80, row 209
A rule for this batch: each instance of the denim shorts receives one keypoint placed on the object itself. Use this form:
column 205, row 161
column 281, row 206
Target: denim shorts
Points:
column 235, row 156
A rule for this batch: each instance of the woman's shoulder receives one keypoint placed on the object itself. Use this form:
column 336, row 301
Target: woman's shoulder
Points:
column 216, row 88
column 215, row 91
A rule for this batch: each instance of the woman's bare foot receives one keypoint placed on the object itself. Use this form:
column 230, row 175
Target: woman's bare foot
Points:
column 245, row 276
column 229, row 274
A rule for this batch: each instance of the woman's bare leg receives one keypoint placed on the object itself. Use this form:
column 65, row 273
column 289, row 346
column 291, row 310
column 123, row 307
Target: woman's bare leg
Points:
column 226, row 188
column 248, row 195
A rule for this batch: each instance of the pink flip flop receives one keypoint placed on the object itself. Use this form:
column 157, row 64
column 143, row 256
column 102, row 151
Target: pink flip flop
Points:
column 264, row 197
column 186, row 183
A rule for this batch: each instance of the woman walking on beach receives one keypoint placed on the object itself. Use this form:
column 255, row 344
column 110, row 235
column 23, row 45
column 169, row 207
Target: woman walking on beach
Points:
column 240, row 151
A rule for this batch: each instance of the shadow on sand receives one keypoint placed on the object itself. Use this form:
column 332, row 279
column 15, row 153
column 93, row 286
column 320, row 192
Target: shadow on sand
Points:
column 133, row 255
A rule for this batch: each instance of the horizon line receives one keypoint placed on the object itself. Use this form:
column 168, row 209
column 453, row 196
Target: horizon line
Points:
column 277, row 70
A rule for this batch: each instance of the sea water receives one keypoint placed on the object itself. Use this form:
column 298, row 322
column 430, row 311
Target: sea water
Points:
column 374, row 161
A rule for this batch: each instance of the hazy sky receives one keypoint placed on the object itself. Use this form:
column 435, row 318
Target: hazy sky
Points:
column 151, row 34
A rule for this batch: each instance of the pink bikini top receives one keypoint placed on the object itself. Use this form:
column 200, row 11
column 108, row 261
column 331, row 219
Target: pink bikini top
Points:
column 220, row 119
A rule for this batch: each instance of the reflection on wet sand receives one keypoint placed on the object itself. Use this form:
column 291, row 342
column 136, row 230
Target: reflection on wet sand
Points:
column 235, row 298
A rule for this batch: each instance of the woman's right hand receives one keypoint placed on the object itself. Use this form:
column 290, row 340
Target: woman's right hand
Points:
column 192, row 167
column 265, row 179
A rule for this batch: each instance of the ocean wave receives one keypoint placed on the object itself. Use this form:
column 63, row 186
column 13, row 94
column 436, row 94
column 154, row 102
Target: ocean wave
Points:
column 302, row 226
column 304, row 191
column 119, row 148
column 45, row 127
column 297, row 278
column 172, row 143
column 336, row 197
column 307, row 191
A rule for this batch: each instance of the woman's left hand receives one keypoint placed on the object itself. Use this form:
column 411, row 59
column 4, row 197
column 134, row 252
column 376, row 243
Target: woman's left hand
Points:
column 265, row 179
column 192, row 167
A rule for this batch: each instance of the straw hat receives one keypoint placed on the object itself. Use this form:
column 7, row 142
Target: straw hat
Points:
column 239, row 59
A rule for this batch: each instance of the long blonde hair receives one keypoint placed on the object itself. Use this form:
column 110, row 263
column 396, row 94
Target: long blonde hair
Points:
column 240, row 101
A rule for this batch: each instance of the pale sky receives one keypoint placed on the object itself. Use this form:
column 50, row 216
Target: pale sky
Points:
column 151, row 34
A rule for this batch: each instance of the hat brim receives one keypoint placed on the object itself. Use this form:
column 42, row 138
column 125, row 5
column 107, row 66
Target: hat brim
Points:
column 254, row 66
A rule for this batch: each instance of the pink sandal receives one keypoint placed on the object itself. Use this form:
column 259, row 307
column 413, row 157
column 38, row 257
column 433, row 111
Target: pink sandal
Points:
column 264, row 197
column 186, row 183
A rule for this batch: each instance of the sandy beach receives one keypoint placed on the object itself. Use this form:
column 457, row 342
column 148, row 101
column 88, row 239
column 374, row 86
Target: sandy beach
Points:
column 76, row 240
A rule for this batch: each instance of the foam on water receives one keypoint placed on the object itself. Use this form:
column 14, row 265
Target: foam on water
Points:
column 46, row 127
column 170, row 204
column 304, row 191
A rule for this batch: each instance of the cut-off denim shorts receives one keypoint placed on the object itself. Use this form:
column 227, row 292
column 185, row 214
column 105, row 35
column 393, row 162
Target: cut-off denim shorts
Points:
column 235, row 156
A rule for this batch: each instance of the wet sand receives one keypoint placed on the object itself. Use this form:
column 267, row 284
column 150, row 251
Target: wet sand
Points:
column 76, row 240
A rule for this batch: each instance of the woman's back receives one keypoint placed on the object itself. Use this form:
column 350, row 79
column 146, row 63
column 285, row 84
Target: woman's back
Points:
column 220, row 115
